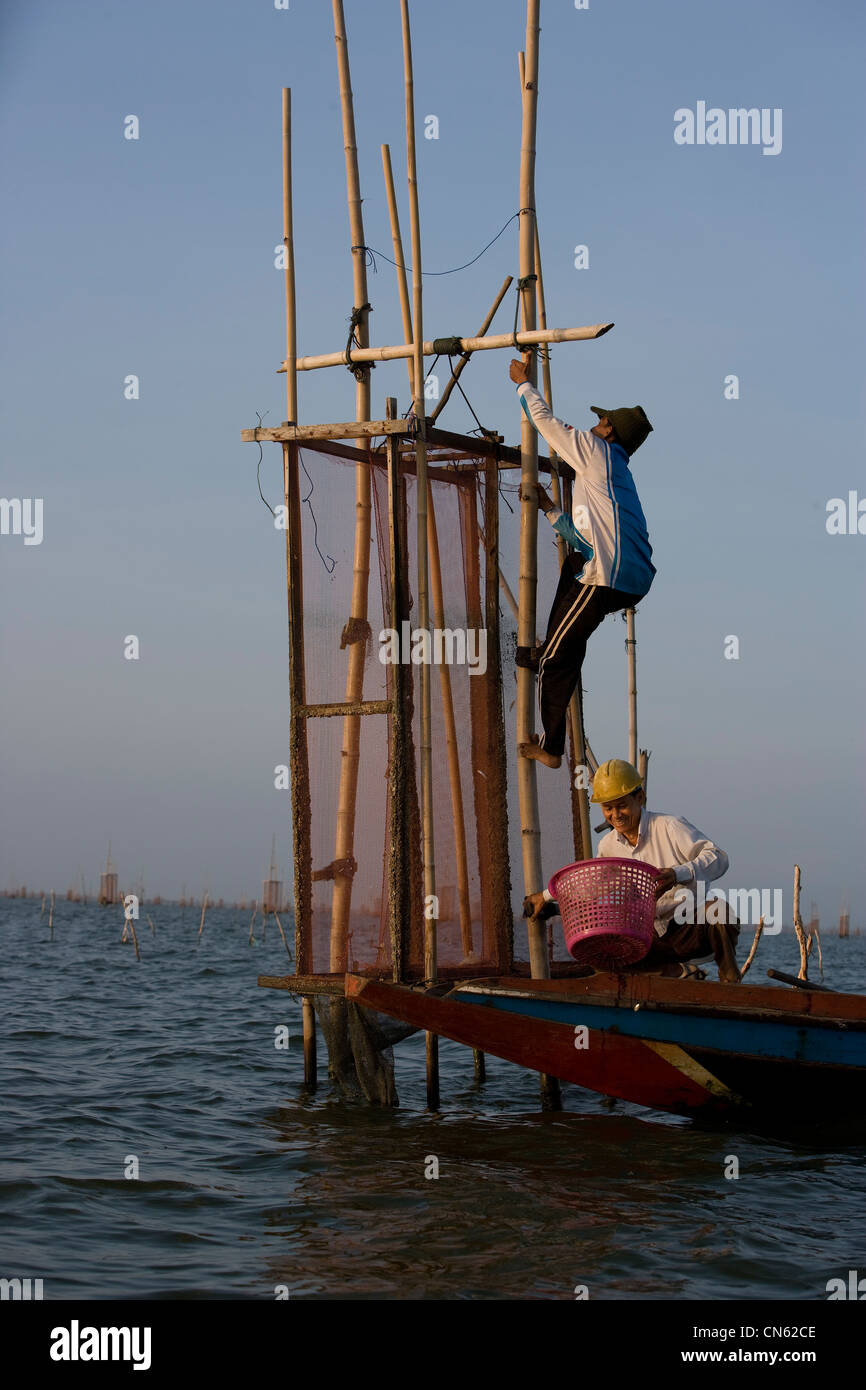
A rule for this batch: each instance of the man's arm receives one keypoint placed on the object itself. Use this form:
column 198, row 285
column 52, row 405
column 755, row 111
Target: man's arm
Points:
column 701, row 859
column 559, row 435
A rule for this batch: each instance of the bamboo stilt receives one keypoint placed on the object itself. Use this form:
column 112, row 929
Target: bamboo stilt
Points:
column 252, row 921
column 345, row 838
column 203, row 911
column 152, row 927
column 51, row 914
column 308, row 1018
column 431, row 906
column 526, row 767
column 631, row 648
column 461, row 363
column 531, row 839
column 456, row 786
column 283, row 935
column 289, row 243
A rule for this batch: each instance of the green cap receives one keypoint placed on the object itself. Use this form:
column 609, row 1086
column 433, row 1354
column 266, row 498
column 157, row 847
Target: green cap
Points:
column 630, row 424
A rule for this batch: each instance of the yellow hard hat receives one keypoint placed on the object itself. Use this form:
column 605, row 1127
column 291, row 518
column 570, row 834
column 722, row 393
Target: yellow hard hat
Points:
column 614, row 779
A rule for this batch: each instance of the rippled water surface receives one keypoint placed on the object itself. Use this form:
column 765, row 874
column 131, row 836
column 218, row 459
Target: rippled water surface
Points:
column 246, row 1182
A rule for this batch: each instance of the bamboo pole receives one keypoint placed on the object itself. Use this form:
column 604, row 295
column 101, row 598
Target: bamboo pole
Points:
column 531, row 839
column 431, row 906
column 527, row 591
column 283, row 935
column 527, row 338
column 152, row 927
column 289, row 244
column 579, row 795
column 631, row 648
column 51, row 915
column 252, row 921
column 351, row 749
column 457, row 369
column 456, row 787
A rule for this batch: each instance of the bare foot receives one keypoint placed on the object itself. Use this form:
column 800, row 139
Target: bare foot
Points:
column 533, row 750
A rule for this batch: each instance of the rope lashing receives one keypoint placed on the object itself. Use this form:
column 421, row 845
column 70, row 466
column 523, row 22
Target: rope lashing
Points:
column 359, row 370
column 446, row 347
column 356, row 630
column 523, row 284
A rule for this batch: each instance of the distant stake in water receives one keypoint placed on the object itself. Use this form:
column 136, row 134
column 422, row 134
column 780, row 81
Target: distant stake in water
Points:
column 51, row 916
column 253, row 922
column 283, row 935
column 203, row 910
column 152, row 927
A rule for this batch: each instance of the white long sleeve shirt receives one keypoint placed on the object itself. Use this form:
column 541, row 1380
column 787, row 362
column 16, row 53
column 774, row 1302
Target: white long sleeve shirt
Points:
column 668, row 842
column 606, row 509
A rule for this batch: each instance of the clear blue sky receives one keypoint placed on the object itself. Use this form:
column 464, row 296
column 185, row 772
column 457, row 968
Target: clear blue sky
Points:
column 155, row 257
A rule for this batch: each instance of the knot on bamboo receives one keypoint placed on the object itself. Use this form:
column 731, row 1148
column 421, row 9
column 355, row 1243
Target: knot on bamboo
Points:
column 447, row 347
column 356, row 630
column 338, row 868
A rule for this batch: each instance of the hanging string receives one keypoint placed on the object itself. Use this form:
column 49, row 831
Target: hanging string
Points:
column 371, row 253
column 328, row 561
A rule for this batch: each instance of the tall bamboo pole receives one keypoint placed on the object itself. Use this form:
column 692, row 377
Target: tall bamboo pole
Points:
column 539, row 959
column 356, row 634
column 430, row 912
column 631, row 648
column 526, row 772
column 289, row 244
column 579, row 796
column 456, row 786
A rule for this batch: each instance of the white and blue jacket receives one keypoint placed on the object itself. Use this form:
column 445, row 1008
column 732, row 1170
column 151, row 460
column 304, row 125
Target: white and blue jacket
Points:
column 609, row 525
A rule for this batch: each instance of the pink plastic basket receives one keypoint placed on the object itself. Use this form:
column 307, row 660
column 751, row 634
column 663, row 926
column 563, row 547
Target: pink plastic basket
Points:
column 607, row 908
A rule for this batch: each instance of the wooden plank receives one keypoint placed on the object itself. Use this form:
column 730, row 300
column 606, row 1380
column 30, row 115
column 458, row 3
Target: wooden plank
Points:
column 344, row 707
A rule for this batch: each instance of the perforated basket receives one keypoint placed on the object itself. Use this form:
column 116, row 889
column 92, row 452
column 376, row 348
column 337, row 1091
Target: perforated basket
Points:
column 607, row 908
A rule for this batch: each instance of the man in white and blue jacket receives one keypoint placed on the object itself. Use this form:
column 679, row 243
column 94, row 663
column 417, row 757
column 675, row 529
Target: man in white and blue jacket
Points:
column 609, row 565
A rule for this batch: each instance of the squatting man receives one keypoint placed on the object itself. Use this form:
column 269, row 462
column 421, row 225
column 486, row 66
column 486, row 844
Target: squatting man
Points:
column 609, row 562
column 685, row 856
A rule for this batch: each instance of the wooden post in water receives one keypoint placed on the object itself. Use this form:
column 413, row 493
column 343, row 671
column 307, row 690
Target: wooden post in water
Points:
column 430, row 902
column 357, row 629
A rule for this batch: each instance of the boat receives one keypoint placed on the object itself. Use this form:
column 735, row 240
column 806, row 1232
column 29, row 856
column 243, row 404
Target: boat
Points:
column 756, row 1054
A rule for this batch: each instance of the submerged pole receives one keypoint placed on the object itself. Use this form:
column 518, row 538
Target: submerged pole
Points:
column 430, row 902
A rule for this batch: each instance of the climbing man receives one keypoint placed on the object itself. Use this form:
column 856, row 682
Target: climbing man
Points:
column 688, row 925
column 609, row 565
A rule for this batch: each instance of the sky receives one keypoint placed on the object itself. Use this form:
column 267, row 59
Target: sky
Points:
column 154, row 257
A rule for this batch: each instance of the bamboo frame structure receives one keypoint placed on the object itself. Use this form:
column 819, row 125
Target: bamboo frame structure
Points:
column 356, row 631
column 527, row 338
column 430, row 953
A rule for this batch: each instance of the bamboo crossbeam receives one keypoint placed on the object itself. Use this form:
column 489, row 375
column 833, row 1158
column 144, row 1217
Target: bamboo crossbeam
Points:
column 344, row 707
column 528, row 338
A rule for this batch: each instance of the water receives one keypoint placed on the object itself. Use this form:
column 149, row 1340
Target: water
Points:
column 247, row 1184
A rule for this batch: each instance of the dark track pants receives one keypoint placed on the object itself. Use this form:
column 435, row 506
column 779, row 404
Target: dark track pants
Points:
column 576, row 613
